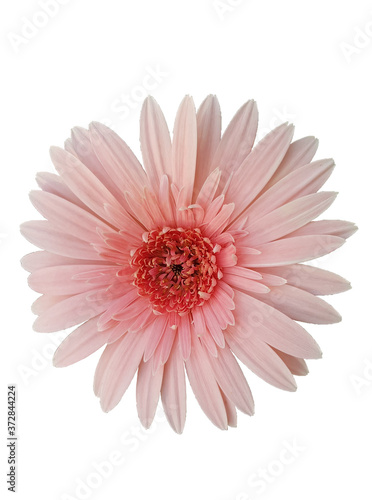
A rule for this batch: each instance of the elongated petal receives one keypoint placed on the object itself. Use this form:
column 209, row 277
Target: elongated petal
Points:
column 204, row 385
column 297, row 366
column 184, row 335
column 45, row 302
column 209, row 188
column 259, row 167
column 185, row 148
column 232, row 381
column 272, row 326
column 208, row 120
column 292, row 250
column 288, row 217
column 82, row 182
column 237, row 141
column 300, row 305
column 157, row 331
column 124, row 357
column 58, row 280
column 82, row 342
column 232, row 417
column 173, row 390
column 299, row 153
column 301, row 182
column 117, row 159
column 312, row 279
column 69, row 312
column 52, row 183
column 43, row 234
column 213, row 324
column 82, row 148
column 155, row 142
column 263, row 361
column 340, row 228
column 38, row 260
column 68, row 217
column 148, row 392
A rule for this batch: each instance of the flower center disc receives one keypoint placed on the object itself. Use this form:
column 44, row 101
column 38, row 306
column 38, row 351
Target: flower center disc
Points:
column 176, row 269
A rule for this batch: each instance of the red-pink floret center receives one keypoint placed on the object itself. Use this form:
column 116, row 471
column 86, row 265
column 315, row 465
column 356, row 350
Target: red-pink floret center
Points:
column 176, row 269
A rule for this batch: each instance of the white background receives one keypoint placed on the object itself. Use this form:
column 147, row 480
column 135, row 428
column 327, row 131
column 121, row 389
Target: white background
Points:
column 306, row 62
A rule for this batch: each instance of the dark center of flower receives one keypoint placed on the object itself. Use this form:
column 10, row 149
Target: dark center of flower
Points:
column 176, row 269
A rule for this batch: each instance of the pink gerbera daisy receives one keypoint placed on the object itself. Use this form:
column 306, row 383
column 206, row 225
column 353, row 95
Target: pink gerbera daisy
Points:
column 188, row 263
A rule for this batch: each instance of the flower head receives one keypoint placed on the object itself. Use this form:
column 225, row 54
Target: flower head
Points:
column 190, row 262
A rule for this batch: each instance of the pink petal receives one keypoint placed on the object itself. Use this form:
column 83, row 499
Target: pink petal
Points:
column 213, row 324
column 213, row 209
column 45, row 302
column 300, row 305
column 166, row 202
column 184, row 148
column 204, row 385
column 231, row 379
column 209, row 188
column 69, row 312
column 258, row 167
column 82, row 182
column 116, row 332
column 58, row 280
column 292, row 250
column 82, row 342
column 67, row 217
column 173, row 390
column 297, row 366
column 144, row 319
column 272, row 326
column 148, row 392
column 232, row 417
column 124, row 357
column 156, row 145
column 40, row 259
column 43, row 234
column 117, row 159
column 340, row 228
column 218, row 224
column 272, row 280
column 288, row 217
column 52, row 183
column 208, row 120
column 83, row 149
column 184, row 335
column 227, row 256
column 299, row 153
column 208, row 342
column 117, row 306
column 245, row 284
column 301, row 182
column 312, row 279
column 157, row 331
column 262, row 360
column 225, row 316
column 237, row 141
